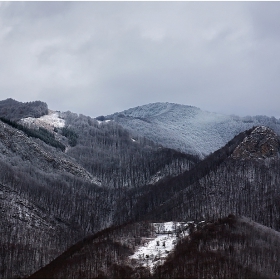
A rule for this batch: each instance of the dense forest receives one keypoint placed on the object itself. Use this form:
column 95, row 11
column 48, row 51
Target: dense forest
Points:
column 155, row 198
column 120, row 159
column 15, row 110
column 228, row 248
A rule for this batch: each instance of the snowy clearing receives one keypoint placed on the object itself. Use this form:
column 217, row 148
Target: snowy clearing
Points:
column 53, row 119
column 155, row 250
column 100, row 122
column 50, row 120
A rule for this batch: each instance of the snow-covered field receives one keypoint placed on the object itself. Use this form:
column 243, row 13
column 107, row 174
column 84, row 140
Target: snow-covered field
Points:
column 155, row 250
column 48, row 121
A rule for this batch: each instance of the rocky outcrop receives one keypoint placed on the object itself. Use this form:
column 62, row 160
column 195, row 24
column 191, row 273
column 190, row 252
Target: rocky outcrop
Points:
column 262, row 143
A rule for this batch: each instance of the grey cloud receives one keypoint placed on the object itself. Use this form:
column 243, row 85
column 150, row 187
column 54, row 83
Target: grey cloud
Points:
column 34, row 10
column 265, row 19
column 100, row 57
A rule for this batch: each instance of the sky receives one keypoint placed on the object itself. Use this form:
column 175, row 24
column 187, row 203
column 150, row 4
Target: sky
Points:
column 97, row 58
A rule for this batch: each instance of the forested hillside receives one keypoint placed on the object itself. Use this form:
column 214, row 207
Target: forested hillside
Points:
column 36, row 223
column 103, row 255
column 242, row 186
column 15, row 110
column 216, row 186
column 52, row 197
column 225, row 248
column 151, row 200
column 230, row 247
column 87, row 193
column 118, row 158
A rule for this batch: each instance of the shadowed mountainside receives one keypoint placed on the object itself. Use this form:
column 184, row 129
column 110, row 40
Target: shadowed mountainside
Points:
column 231, row 247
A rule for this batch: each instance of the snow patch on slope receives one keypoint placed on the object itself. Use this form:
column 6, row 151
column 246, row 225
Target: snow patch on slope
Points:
column 101, row 122
column 155, row 250
column 53, row 119
column 47, row 121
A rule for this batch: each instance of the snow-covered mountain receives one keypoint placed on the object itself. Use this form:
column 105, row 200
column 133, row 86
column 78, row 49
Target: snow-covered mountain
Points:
column 187, row 128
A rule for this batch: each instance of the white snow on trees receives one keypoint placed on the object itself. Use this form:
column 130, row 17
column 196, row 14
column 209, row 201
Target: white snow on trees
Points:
column 154, row 251
column 46, row 121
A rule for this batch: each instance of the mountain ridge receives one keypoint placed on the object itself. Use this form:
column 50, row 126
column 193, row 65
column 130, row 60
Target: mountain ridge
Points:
column 187, row 128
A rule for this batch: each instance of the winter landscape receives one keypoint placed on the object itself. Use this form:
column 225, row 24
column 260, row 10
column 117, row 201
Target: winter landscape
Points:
column 139, row 139
column 102, row 197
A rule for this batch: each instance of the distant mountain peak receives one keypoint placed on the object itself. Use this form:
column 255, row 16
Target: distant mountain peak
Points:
column 187, row 128
column 262, row 143
column 154, row 110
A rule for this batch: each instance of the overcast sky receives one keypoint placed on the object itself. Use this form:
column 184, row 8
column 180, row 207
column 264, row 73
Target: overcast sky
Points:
column 97, row 58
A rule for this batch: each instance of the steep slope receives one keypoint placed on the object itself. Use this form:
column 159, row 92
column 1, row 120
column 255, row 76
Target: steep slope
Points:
column 187, row 128
column 24, row 226
column 36, row 223
column 151, row 201
column 16, row 144
column 46, row 214
column 261, row 143
column 230, row 248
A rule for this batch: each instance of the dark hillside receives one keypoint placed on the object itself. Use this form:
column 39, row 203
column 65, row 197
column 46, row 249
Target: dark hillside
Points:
column 239, row 187
column 103, row 255
column 246, row 183
column 119, row 159
column 229, row 248
column 43, row 214
column 25, row 229
column 15, row 110
column 150, row 202
column 47, row 202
